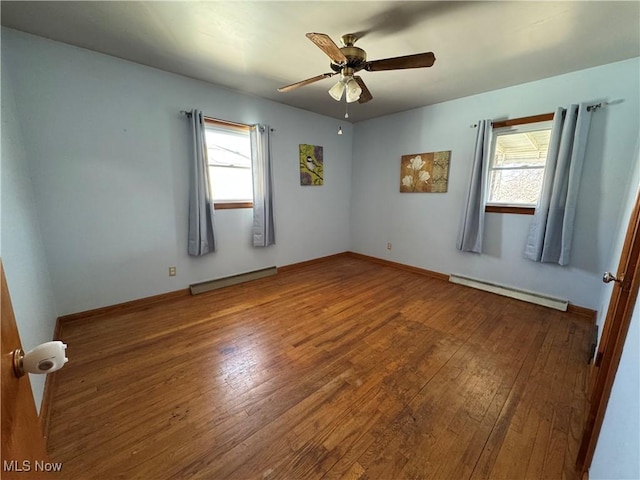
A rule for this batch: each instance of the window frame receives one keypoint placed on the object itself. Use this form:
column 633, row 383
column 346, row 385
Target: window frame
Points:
column 214, row 122
column 515, row 125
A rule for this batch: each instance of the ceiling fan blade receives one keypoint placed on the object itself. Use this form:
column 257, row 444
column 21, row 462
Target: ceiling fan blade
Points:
column 302, row 83
column 419, row 60
column 328, row 46
column 365, row 96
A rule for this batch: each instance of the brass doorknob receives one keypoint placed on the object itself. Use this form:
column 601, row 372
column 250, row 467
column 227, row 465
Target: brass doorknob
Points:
column 45, row 358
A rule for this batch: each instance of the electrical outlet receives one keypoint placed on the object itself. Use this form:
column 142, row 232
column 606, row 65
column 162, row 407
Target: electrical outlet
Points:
column 389, row 246
column 172, row 271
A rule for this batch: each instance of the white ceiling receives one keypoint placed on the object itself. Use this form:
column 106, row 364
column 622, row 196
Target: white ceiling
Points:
column 258, row 46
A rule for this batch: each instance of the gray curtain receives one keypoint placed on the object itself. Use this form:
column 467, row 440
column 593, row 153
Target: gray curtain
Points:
column 261, row 165
column 551, row 230
column 201, row 224
column 472, row 228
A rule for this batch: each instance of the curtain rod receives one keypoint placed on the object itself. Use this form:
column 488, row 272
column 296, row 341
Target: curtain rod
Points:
column 235, row 124
column 596, row 106
column 590, row 108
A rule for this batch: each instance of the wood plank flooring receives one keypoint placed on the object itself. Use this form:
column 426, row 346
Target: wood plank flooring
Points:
column 340, row 370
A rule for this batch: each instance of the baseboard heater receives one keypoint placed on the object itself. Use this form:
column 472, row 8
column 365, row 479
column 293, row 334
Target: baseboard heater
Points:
column 202, row 287
column 503, row 290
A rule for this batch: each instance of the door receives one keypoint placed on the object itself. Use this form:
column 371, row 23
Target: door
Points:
column 23, row 446
column 614, row 333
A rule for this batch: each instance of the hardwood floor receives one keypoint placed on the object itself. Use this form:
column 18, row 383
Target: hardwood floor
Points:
column 344, row 369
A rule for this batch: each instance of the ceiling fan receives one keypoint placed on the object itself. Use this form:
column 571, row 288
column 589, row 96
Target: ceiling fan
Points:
column 351, row 59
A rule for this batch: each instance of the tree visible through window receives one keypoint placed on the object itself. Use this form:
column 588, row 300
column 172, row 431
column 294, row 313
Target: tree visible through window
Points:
column 519, row 155
column 229, row 154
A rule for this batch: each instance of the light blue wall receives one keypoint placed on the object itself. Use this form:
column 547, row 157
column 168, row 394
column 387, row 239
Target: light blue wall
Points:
column 21, row 245
column 109, row 169
column 617, row 454
column 624, row 214
column 423, row 227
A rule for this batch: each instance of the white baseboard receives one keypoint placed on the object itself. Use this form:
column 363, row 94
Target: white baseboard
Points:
column 524, row 295
column 233, row 280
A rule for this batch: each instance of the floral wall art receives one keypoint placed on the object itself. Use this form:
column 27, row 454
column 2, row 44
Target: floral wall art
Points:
column 311, row 165
column 425, row 172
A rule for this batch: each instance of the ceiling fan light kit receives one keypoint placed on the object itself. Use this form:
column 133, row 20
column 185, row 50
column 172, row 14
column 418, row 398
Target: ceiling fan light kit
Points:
column 348, row 85
column 353, row 90
column 337, row 90
column 350, row 59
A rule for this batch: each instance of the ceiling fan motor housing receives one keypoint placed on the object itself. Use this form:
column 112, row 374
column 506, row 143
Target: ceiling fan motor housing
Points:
column 356, row 57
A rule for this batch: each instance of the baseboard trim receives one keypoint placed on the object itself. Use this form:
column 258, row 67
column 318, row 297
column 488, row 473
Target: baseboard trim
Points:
column 313, row 261
column 125, row 306
column 209, row 285
column 511, row 292
column 401, row 266
column 57, row 330
column 147, row 301
column 584, row 311
column 588, row 313
column 49, row 389
column 139, row 303
column 46, row 406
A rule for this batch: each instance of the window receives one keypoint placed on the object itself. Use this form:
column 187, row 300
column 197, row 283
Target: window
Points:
column 516, row 171
column 229, row 154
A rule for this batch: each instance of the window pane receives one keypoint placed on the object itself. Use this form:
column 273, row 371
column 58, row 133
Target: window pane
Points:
column 515, row 186
column 229, row 154
column 228, row 147
column 222, row 156
column 517, row 167
column 231, row 184
column 522, row 149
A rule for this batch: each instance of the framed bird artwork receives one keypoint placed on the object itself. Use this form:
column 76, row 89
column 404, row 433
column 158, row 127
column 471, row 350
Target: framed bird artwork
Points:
column 311, row 165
